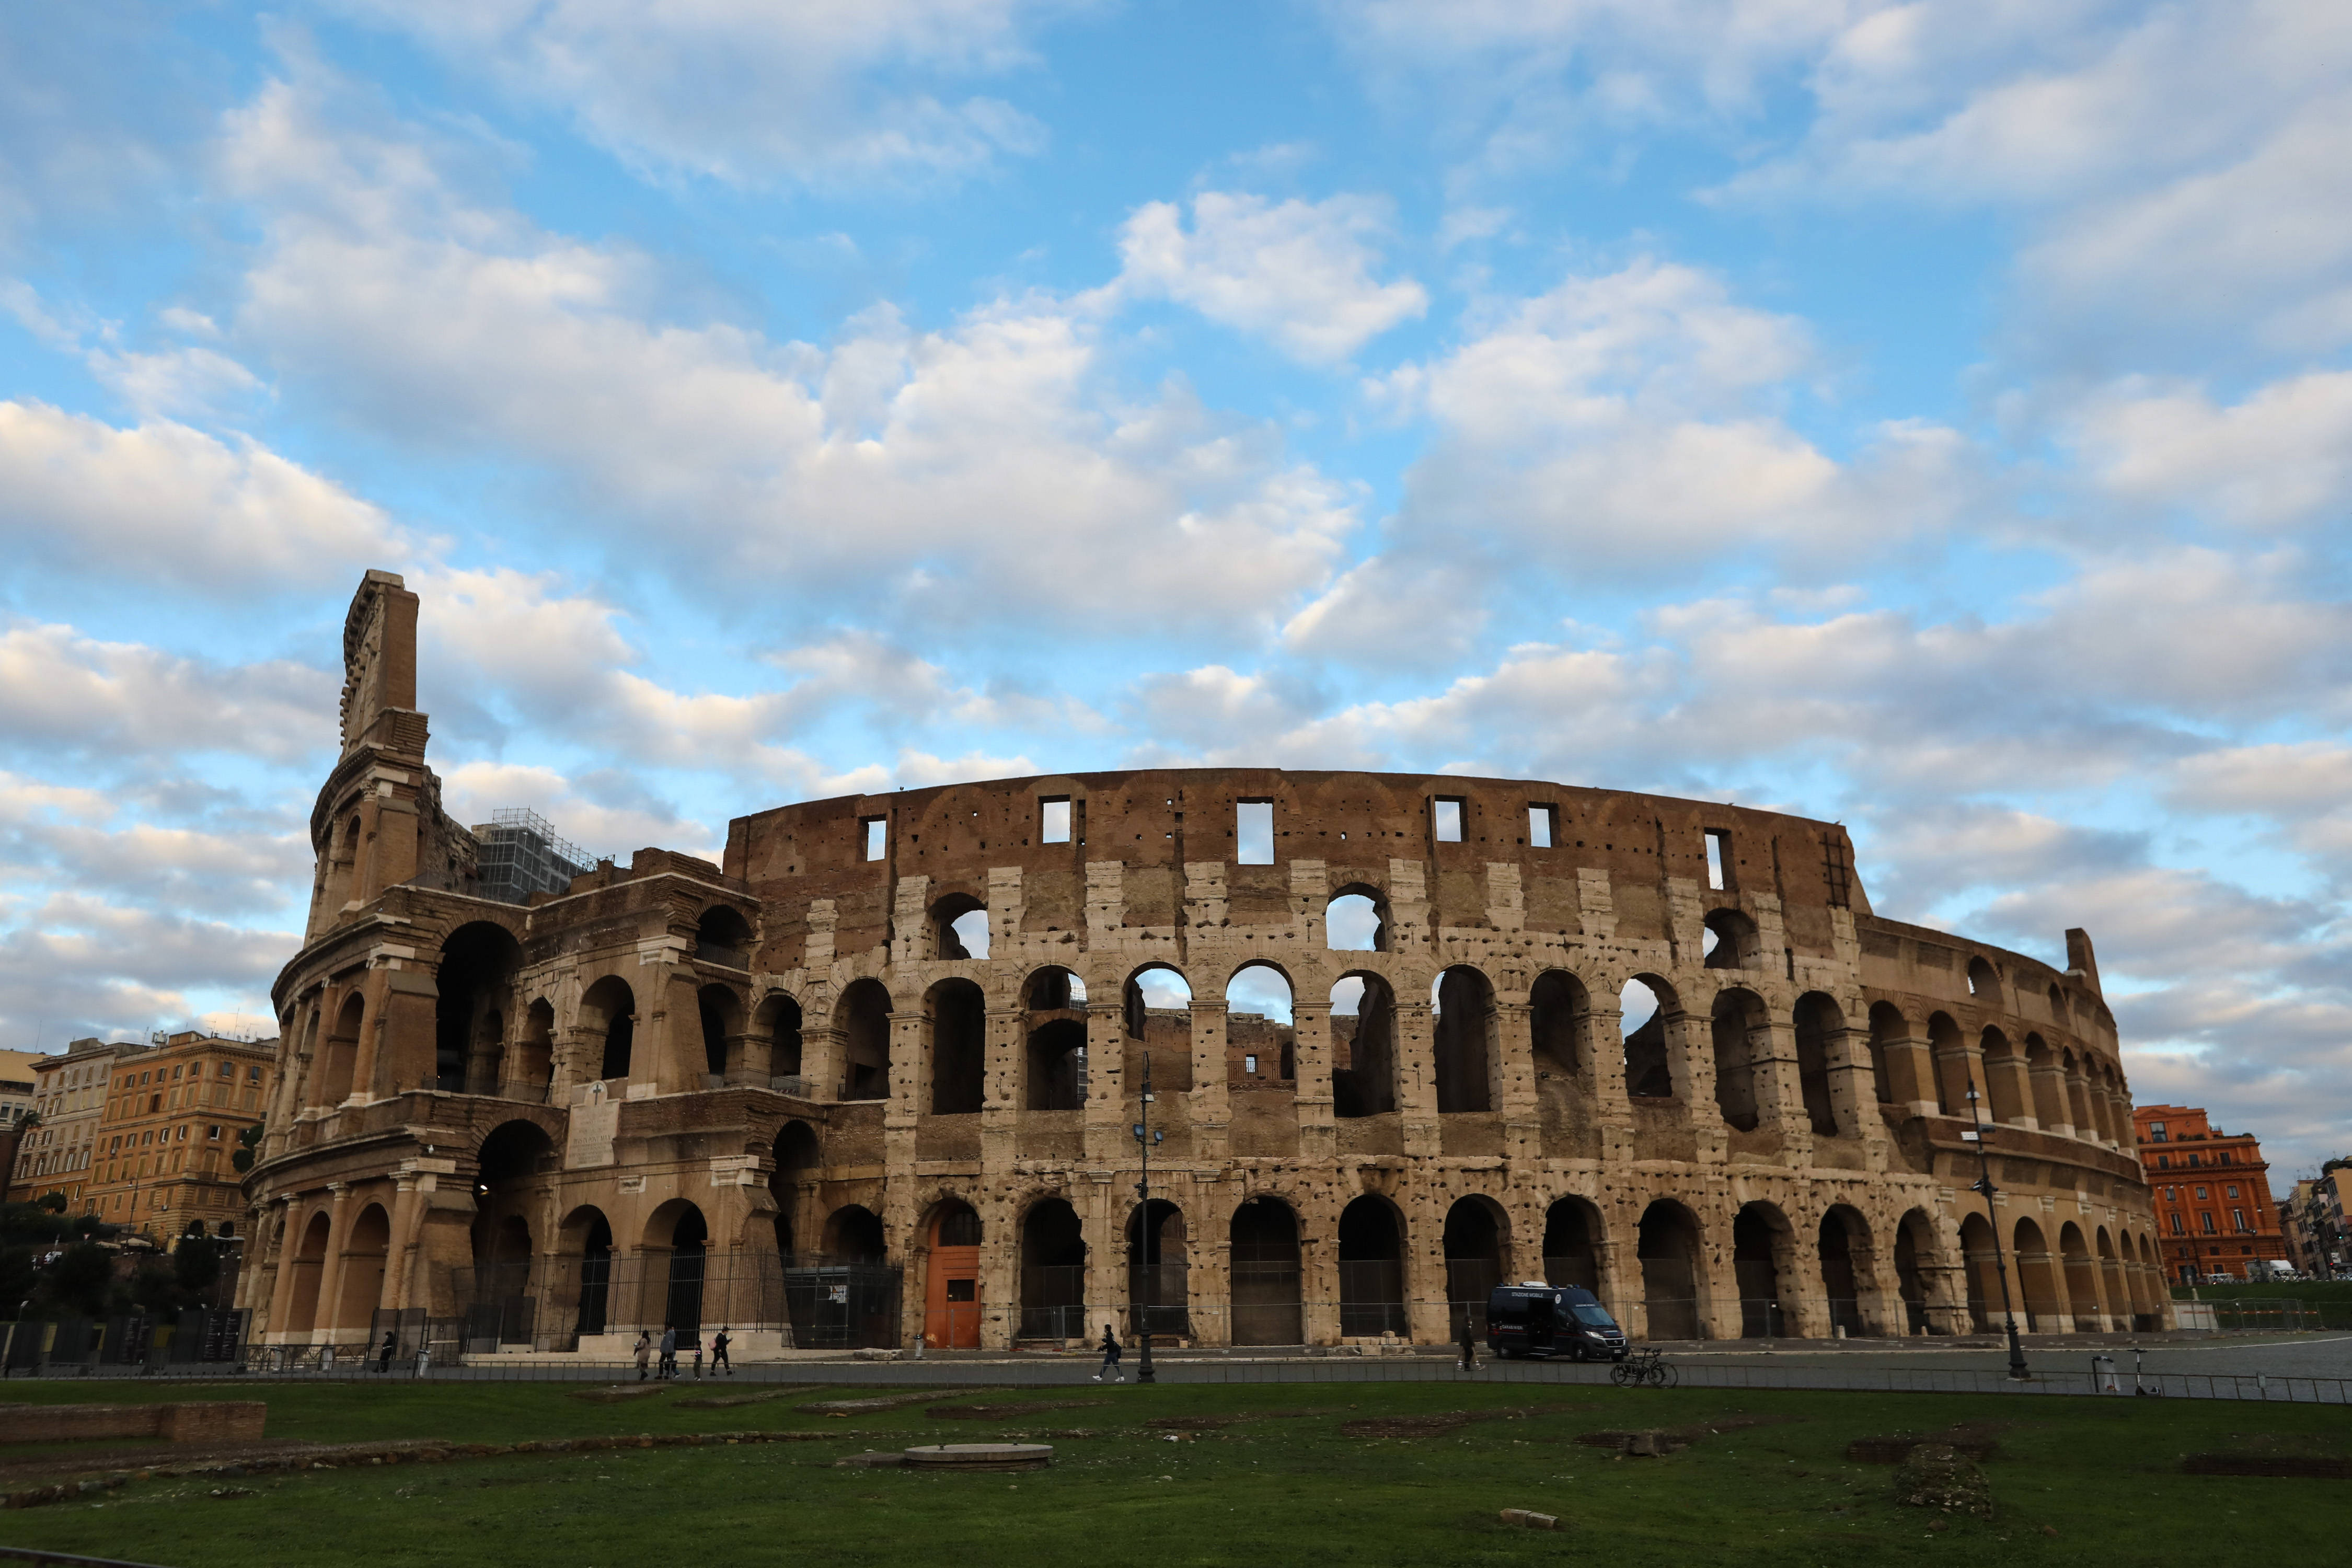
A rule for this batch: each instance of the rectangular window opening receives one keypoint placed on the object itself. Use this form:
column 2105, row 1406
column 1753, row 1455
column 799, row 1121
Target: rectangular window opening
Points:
column 1053, row 820
column 1446, row 814
column 1541, row 821
column 1249, row 1064
column 1718, row 858
column 1254, row 831
column 877, row 836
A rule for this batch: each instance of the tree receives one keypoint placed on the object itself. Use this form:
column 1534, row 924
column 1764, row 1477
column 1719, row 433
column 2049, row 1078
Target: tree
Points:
column 54, row 1200
column 249, row 1145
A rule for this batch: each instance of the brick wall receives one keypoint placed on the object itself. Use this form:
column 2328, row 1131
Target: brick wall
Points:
column 208, row 1421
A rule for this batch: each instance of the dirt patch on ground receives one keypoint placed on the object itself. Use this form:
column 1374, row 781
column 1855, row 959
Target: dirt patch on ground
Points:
column 877, row 1402
column 620, row 1393
column 1937, row 1476
column 1443, row 1421
column 728, row 1400
column 1972, row 1440
column 2295, row 1466
column 1656, row 1442
column 19, row 1471
column 994, row 1412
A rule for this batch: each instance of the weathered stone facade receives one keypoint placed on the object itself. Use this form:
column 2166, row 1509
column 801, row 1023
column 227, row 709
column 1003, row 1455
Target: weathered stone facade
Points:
column 646, row 1098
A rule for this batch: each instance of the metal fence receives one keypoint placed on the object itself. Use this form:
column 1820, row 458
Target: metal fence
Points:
column 194, row 1337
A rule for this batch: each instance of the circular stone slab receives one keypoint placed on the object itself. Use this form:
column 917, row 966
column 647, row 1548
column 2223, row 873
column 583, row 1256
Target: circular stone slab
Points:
column 981, row 1457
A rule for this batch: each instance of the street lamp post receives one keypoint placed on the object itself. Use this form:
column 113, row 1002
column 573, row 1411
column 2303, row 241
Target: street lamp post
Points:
column 1145, row 1137
column 2000, row 1269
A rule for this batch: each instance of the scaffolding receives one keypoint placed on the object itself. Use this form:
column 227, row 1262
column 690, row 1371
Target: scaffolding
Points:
column 521, row 856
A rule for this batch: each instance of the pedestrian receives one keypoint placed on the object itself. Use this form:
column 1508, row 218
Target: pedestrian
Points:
column 668, row 1368
column 719, row 1354
column 697, row 1351
column 1110, row 1356
column 645, row 1351
column 384, row 1351
column 1469, row 1345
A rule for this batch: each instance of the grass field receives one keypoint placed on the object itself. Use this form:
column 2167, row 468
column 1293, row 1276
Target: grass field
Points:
column 1284, row 1481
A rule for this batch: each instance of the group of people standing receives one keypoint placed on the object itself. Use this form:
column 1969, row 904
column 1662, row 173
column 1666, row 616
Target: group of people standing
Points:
column 668, row 1349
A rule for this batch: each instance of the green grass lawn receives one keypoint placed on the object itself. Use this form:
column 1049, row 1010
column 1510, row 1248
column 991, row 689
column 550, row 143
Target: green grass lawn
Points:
column 1285, row 1484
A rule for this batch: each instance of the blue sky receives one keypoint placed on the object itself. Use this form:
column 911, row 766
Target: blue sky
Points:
column 1935, row 417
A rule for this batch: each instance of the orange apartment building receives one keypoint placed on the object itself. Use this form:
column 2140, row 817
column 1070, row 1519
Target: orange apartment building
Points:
column 2214, row 1208
column 161, row 1161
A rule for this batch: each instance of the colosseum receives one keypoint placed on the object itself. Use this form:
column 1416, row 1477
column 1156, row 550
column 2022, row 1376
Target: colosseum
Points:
column 877, row 1078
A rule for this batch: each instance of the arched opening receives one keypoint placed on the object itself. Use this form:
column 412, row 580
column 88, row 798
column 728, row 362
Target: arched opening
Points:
column 1259, row 1025
column 610, row 1007
column 1643, row 1007
column 1053, row 1273
column 2039, row 1280
column 959, row 1023
column 1891, row 1074
column 779, row 1022
column 1667, row 1250
column 1159, row 1264
column 1055, row 1027
column 341, row 1053
column 2082, row 1276
column 1266, row 1285
column 364, row 1257
column 309, row 1266
column 476, row 975
column 1759, row 1233
column 1818, row 1021
column 2112, row 1279
column 852, row 1233
column 1983, row 1269
column 864, row 1014
column 1739, row 1020
column 1156, row 1007
column 533, row 1069
column 1478, row 1258
column 689, row 1246
column 1984, row 983
column 1372, row 1269
column 1731, row 942
column 587, row 1242
column 510, row 1185
column 722, row 1032
column 1356, row 920
column 723, row 937
column 951, row 1282
column 1949, row 1052
column 1913, row 1237
column 2059, row 1013
column 2078, row 1096
column 1463, row 1026
column 1559, row 1013
column 1571, row 1255
column 798, row 1159
column 960, row 926
column 2004, row 1078
column 1363, row 1038
column 1843, row 1234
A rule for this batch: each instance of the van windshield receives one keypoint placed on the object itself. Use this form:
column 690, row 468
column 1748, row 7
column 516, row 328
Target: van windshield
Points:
column 1596, row 1316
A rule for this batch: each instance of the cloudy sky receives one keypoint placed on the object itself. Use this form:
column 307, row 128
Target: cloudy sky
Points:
column 1935, row 416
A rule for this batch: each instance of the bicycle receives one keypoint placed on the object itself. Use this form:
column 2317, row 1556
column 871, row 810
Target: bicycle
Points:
column 1644, row 1366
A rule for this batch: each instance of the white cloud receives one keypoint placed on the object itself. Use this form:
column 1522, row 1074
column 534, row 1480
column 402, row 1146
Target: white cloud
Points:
column 819, row 92
column 2279, row 459
column 76, row 966
column 64, row 694
column 179, row 381
column 164, row 501
column 1297, row 272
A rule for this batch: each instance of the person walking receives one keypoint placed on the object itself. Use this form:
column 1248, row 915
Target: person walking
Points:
column 384, row 1351
column 697, row 1351
column 719, row 1354
column 668, row 1368
column 645, row 1351
column 1110, row 1356
column 1469, row 1345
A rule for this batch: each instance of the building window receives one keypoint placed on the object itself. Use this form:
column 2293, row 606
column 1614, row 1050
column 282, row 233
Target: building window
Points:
column 2205, row 1222
column 2200, row 1195
column 1249, row 1064
column 876, row 833
column 2178, row 1228
column 1543, row 825
column 2234, row 1192
column 2156, row 1132
column 2164, row 1162
column 1446, row 815
column 2193, row 1159
column 1254, row 831
column 1718, row 858
column 2238, row 1220
column 1053, row 820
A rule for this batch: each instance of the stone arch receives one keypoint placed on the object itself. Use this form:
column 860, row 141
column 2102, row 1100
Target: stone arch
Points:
column 720, row 1010
column 1356, row 920
column 2081, row 1272
column 1574, row 1230
column 2048, row 1083
column 339, row 1056
column 1560, row 1022
column 1371, row 1268
column 722, row 935
column 952, row 1300
column 1052, row 1271
column 955, row 934
column 533, row 1070
column 862, row 1015
column 1463, row 1045
column 1820, row 1024
column 1731, row 942
column 677, row 1246
column 1893, row 1073
column 2039, row 1280
column 2114, row 1281
column 584, row 1244
column 609, row 1009
column 1054, row 1040
column 1949, row 1052
column 1649, row 1065
column 366, row 1252
column 1980, row 1253
column 1264, row 1269
column 798, row 1157
column 2004, row 1074
column 1763, row 1244
column 309, row 1266
column 779, row 1022
column 1915, row 1241
column 1158, row 1270
column 854, row 1234
column 1673, row 1273
column 1478, row 1247
column 1363, row 1037
column 1984, row 982
column 1261, row 1017
column 1845, row 1252
column 474, row 986
column 955, row 1014
column 1738, row 1017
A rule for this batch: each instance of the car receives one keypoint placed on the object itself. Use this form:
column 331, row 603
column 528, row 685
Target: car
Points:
column 1536, row 1318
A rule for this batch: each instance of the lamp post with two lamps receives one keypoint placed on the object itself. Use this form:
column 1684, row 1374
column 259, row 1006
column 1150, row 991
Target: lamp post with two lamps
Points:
column 1146, row 1138
column 2000, row 1267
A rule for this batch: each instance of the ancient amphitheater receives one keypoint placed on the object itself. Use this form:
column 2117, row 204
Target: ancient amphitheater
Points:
column 875, row 1078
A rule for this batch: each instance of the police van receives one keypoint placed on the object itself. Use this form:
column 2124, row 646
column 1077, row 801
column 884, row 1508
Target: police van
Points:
column 1536, row 1319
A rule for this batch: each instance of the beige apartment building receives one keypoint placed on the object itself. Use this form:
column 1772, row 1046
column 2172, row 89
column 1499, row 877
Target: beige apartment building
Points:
column 69, row 1094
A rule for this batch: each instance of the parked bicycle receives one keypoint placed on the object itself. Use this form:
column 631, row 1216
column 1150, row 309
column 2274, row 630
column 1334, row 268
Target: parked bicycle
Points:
column 1643, row 1366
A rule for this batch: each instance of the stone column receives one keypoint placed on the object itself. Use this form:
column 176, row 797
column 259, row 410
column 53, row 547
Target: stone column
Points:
column 2078, row 1098
column 281, row 1287
column 330, row 1268
column 1957, row 1064
column 1427, row 1313
column 1002, row 1086
column 1511, row 1079
column 1601, row 1058
column 1416, row 1072
column 2047, row 1081
column 1911, row 1072
column 1319, row 1269
column 1311, row 1059
column 1210, row 1106
column 2017, row 1086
